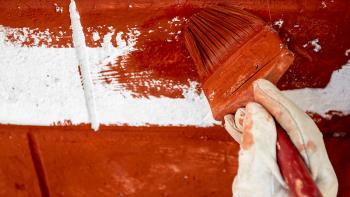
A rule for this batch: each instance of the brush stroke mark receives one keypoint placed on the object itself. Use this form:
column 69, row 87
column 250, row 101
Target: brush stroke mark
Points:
column 158, row 64
column 80, row 46
column 36, row 23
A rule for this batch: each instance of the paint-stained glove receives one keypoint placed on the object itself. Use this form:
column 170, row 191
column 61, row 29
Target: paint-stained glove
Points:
column 253, row 127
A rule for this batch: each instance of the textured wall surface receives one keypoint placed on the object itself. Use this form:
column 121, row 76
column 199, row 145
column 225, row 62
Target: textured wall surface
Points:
column 142, row 75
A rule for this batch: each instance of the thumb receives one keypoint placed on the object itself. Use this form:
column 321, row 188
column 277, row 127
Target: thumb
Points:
column 302, row 131
column 257, row 161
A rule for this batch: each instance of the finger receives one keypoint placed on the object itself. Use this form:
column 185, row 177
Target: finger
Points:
column 259, row 134
column 257, row 167
column 232, row 129
column 259, row 126
column 289, row 116
column 239, row 118
column 303, row 132
column 327, row 180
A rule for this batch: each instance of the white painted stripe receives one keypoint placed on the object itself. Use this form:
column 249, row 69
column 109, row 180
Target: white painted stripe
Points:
column 41, row 86
column 335, row 96
column 80, row 47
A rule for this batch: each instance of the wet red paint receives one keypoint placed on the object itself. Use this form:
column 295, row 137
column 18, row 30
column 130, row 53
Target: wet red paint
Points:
column 38, row 16
column 196, row 160
column 160, row 61
column 169, row 62
column 306, row 21
column 293, row 168
column 337, row 125
column 336, row 148
column 18, row 175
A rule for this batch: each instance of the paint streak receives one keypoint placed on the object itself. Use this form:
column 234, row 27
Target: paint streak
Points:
column 161, row 56
column 160, row 64
column 39, row 16
column 335, row 125
column 247, row 138
column 168, row 63
column 84, row 65
column 37, row 23
column 312, row 65
column 310, row 146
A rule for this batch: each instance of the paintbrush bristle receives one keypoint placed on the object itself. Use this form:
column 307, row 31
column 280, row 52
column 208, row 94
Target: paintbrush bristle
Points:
column 217, row 32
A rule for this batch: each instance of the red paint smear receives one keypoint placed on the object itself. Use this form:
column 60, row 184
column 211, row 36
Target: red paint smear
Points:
column 311, row 69
column 160, row 61
column 339, row 156
column 169, row 62
column 330, row 25
column 179, row 161
column 38, row 16
column 337, row 125
column 206, row 158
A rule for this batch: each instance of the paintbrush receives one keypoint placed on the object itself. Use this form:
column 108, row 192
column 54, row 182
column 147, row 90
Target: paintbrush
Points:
column 231, row 48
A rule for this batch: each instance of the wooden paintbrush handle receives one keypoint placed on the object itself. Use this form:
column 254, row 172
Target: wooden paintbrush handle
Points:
column 293, row 169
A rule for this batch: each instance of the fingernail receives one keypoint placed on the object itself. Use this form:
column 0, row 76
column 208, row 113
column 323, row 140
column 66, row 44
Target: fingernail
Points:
column 261, row 84
column 265, row 86
column 239, row 118
column 228, row 118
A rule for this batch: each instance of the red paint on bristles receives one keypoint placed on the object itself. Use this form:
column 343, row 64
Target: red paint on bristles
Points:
column 217, row 32
column 232, row 48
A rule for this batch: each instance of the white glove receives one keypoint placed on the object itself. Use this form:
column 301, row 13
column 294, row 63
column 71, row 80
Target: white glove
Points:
column 254, row 129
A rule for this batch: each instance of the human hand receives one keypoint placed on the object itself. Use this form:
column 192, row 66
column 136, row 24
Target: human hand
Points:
column 253, row 127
